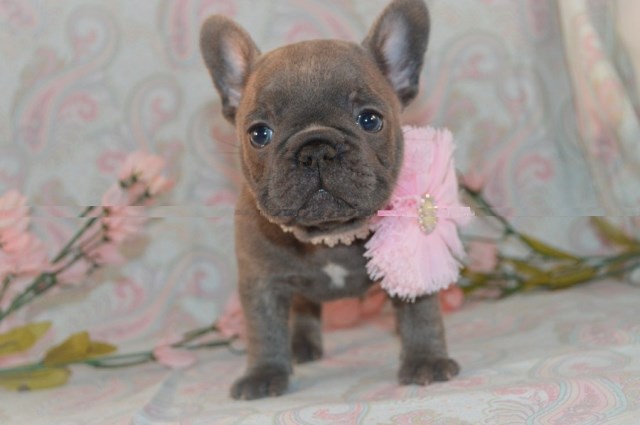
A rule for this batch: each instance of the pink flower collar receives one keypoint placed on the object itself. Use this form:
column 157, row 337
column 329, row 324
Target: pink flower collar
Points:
column 415, row 248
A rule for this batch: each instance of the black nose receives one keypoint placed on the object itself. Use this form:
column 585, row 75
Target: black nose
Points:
column 316, row 152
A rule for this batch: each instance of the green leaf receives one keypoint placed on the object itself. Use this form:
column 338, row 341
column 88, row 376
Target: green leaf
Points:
column 547, row 250
column 613, row 234
column 35, row 379
column 97, row 349
column 75, row 348
column 475, row 278
column 524, row 268
column 566, row 277
column 22, row 338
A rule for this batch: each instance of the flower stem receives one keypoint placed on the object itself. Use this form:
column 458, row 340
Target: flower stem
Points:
column 5, row 287
column 36, row 287
column 67, row 248
column 41, row 284
column 477, row 197
column 129, row 359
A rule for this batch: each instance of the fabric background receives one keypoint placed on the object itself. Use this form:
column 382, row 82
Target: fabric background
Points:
column 541, row 95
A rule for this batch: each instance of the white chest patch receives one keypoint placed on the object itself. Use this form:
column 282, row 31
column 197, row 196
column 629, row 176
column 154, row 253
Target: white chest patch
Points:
column 336, row 273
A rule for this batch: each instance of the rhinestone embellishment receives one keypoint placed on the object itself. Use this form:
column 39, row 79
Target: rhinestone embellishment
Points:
column 427, row 214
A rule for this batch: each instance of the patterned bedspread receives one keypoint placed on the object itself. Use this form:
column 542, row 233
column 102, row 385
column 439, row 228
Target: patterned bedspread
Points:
column 570, row 357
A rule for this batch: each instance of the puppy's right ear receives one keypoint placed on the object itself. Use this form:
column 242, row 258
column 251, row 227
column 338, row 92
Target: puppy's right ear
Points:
column 229, row 53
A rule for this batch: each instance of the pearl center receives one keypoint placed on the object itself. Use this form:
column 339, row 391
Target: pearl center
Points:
column 427, row 214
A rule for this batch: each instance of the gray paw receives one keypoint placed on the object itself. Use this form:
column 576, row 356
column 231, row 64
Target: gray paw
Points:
column 304, row 349
column 424, row 371
column 263, row 381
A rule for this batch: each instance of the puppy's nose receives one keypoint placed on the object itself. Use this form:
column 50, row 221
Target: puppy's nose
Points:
column 316, row 152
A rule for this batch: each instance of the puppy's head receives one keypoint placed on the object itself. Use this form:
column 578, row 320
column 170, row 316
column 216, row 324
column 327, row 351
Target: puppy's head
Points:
column 318, row 121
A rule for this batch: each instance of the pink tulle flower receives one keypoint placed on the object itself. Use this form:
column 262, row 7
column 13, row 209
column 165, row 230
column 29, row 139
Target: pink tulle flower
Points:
column 415, row 249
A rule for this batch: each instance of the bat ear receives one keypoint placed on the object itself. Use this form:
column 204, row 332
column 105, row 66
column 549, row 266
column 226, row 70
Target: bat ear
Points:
column 398, row 41
column 229, row 53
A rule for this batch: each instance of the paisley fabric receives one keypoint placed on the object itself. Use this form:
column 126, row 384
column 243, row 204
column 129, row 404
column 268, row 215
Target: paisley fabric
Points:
column 570, row 358
column 542, row 97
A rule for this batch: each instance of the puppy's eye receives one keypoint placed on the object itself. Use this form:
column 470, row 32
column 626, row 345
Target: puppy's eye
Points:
column 260, row 135
column 370, row 121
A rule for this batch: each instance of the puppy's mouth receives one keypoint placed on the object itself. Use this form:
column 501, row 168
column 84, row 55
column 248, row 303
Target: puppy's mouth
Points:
column 330, row 225
column 324, row 215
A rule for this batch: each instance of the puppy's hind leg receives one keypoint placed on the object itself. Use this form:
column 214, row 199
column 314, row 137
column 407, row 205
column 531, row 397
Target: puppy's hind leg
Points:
column 306, row 330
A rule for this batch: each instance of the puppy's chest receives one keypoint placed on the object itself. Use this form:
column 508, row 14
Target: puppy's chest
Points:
column 332, row 273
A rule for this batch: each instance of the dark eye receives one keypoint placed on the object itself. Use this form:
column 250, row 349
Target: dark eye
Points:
column 370, row 121
column 260, row 135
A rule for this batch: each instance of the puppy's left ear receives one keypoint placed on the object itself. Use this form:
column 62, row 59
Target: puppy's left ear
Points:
column 398, row 41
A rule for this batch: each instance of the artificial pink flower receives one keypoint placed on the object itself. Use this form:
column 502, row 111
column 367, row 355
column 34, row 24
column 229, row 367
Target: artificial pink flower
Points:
column 105, row 254
column 76, row 273
column 122, row 223
column 141, row 166
column 483, row 256
column 415, row 248
column 231, row 323
column 352, row 311
column 373, row 302
column 175, row 358
column 341, row 314
column 23, row 264
column 25, row 255
column 159, row 185
column 20, row 252
column 140, row 177
column 451, row 299
column 115, row 196
column 13, row 206
column 474, row 180
column 14, row 216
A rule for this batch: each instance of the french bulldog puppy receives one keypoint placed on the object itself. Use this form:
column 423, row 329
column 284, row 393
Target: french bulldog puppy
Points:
column 318, row 123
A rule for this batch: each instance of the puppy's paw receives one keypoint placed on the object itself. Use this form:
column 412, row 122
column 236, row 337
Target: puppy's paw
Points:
column 305, row 349
column 263, row 381
column 423, row 371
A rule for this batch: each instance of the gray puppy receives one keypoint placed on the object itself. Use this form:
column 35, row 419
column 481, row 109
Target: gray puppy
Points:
column 319, row 128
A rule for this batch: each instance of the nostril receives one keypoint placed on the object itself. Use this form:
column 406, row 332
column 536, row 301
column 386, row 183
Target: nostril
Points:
column 307, row 160
column 329, row 154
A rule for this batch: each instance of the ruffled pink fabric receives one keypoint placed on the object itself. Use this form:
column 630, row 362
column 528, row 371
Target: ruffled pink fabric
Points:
column 407, row 261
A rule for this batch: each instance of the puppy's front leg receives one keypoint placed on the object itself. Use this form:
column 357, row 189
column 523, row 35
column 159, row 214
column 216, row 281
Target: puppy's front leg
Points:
column 266, row 310
column 306, row 326
column 424, row 357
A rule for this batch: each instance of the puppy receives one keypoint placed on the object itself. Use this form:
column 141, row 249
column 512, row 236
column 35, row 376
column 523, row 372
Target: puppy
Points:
column 318, row 123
